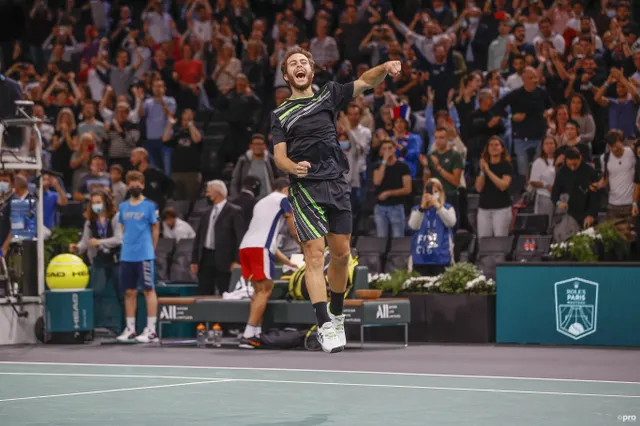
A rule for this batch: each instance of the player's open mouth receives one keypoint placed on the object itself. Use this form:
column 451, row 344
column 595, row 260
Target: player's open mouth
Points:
column 300, row 74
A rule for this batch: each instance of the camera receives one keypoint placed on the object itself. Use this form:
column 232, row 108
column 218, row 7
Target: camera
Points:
column 428, row 188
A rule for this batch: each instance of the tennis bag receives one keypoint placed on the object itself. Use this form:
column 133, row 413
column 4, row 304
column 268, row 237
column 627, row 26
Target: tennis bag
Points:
column 297, row 285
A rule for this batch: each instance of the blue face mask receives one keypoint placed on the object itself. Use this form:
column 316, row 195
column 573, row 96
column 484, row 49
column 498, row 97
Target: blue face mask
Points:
column 4, row 187
column 474, row 20
column 97, row 208
column 611, row 13
column 438, row 9
column 345, row 145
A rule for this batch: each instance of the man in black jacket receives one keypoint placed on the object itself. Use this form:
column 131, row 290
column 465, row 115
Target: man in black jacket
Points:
column 157, row 186
column 576, row 189
column 247, row 198
column 215, row 248
column 483, row 123
column 257, row 162
column 529, row 106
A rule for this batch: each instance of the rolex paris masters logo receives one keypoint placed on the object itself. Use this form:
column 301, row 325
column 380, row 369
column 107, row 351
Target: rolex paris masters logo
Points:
column 576, row 307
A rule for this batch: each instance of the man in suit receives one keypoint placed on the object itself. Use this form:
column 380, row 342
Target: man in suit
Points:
column 473, row 40
column 215, row 248
column 246, row 199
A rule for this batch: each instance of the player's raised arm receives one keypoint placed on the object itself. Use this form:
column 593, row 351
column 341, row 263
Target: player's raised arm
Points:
column 374, row 76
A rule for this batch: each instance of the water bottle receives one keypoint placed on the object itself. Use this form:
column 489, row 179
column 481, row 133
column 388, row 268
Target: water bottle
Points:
column 216, row 335
column 202, row 336
column 527, row 244
column 533, row 244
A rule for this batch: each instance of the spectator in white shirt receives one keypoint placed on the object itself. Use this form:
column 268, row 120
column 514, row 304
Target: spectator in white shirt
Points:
column 202, row 25
column 546, row 34
column 619, row 165
column 542, row 176
column 324, row 47
column 157, row 22
column 514, row 81
column 175, row 228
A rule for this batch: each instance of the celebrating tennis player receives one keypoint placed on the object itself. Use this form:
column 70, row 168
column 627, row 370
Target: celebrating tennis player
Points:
column 305, row 142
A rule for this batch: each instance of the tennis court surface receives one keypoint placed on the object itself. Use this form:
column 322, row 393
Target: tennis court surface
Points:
column 419, row 385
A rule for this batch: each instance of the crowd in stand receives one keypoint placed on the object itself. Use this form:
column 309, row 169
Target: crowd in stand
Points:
column 498, row 101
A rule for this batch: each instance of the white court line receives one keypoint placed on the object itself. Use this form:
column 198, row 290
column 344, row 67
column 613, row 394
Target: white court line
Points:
column 115, row 390
column 301, row 370
column 300, row 382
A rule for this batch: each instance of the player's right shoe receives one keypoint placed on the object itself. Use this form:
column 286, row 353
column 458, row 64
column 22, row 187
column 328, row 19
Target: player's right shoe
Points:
column 249, row 343
column 128, row 335
column 328, row 338
column 338, row 323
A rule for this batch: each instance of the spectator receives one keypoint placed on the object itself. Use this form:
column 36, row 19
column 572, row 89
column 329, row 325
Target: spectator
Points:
column 324, row 47
column 392, row 180
column 257, row 162
column 158, row 186
column 118, row 188
column 95, row 180
column 514, row 81
column 215, row 249
column 572, row 134
column 157, row 112
column 494, row 212
column 191, row 75
column 157, row 22
column 547, row 34
column 529, row 104
column 355, row 143
column 473, row 41
column 623, row 108
column 123, row 137
column 122, row 76
column 81, row 159
column 575, row 190
column 579, row 112
column 90, row 124
column 483, row 123
column 175, row 228
column 498, row 49
column 619, row 165
column 557, row 122
column 408, row 145
column 101, row 240
column 543, row 174
column 53, row 196
column 277, row 57
column 246, row 199
column 63, row 144
column 227, row 69
column 242, row 108
column 433, row 220
column 445, row 164
column 185, row 141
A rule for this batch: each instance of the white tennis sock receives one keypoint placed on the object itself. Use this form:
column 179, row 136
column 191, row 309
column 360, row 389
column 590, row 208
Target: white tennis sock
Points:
column 248, row 332
column 151, row 323
column 131, row 323
column 257, row 329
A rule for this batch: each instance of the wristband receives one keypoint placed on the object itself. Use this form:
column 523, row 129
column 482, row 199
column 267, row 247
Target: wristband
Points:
column 384, row 163
column 635, row 204
column 481, row 174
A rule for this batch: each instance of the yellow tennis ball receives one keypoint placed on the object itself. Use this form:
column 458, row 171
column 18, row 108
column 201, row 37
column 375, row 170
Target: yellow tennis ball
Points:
column 67, row 272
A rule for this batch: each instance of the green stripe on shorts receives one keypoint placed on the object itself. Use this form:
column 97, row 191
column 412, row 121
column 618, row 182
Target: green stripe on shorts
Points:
column 312, row 230
column 313, row 203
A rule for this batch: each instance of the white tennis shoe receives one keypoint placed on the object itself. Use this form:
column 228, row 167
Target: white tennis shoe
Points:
column 338, row 323
column 328, row 338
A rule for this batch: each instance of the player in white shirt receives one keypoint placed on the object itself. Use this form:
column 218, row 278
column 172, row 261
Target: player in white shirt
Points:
column 258, row 250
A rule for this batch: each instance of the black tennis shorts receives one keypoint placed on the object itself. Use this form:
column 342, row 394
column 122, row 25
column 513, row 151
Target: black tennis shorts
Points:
column 321, row 207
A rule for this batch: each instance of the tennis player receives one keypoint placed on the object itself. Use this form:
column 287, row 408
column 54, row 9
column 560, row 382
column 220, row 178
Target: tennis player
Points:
column 305, row 142
column 258, row 250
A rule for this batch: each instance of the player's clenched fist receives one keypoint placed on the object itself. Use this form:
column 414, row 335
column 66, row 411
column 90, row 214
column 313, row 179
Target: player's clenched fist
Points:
column 302, row 169
column 392, row 68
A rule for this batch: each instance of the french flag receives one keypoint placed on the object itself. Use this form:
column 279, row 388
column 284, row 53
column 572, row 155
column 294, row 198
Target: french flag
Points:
column 403, row 111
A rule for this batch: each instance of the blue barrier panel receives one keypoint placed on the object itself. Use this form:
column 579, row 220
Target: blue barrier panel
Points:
column 568, row 303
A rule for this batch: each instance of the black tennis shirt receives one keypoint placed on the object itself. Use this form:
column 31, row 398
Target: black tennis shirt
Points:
column 308, row 127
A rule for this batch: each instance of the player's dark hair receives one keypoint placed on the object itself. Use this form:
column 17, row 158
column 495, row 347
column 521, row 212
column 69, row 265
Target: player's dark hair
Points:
column 280, row 183
column 293, row 51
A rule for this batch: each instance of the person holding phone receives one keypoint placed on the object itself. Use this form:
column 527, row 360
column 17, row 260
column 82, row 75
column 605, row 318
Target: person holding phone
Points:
column 433, row 220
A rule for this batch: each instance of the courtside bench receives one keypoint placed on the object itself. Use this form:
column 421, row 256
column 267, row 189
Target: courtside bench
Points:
column 213, row 309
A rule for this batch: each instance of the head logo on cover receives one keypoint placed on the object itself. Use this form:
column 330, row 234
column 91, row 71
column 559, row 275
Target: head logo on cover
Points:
column 576, row 307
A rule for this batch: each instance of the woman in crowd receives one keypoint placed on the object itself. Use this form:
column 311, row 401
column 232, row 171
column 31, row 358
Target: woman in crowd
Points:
column 63, row 144
column 101, row 240
column 433, row 220
column 543, row 173
column 579, row 112
column 494, row 212
column 557, row 123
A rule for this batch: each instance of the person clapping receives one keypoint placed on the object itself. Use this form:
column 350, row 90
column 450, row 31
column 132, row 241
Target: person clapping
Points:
column 433, row 220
